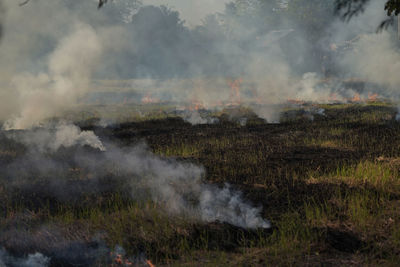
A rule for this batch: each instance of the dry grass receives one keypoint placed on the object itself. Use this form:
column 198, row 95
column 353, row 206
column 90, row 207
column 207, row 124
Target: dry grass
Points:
column 330, row 187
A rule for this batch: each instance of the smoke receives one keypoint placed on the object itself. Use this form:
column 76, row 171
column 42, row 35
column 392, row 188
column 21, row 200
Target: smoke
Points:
column 52, row 137
column 370, row 56
column 69, row 68
column 276, row 52
column 174, row 185
column 50, row 52
column 195, row 117
column 32, row 260
column 57, row 246
column 185, row 65
column 225, row 205
column 179, row 188
column 381, row 64
column 290, row 57
column 193, row 12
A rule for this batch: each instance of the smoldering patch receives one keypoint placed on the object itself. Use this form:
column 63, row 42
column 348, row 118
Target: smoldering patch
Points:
column 57, row 157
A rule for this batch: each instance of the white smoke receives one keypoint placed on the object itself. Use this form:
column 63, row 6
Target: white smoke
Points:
column 180, row 188
column 228, row 206
column 69, row 69
column 52, row 137
column 194, row 117
column 193, row 12
column 32, row 260
column 309, row 89
column 369, row 56
column 70, row 135
column 174, row 185
column 382, row 64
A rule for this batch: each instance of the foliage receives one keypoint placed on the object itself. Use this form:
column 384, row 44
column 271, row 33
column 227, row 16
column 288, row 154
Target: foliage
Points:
column 350, row 8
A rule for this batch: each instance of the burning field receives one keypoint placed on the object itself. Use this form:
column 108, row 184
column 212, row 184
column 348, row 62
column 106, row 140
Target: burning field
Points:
column 259, row 133
column 163, row 191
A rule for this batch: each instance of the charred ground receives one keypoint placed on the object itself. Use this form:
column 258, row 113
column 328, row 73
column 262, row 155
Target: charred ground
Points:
column 330, row 187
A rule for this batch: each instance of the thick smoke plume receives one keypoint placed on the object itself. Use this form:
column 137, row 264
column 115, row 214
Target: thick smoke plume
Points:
column 176, row 186
column 69, row 68
column 277, row 54
column 55, row 136
column 360, row 52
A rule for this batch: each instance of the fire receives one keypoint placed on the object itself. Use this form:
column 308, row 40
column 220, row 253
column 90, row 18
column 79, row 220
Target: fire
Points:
column 196, row 105
column 148, row 99
column 150, row 263
column 235, row 90
column 119, row 260
column 333, row 97
column 372, row 97
column 356, row 98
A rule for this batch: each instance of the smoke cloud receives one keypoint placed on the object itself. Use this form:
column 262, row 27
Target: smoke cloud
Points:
column 276, row 53
column 69, row 67
column 367, row 55
column 55, row 136
column 176, row 186
column 193, row 12
column 32, row 260
column 57, row 54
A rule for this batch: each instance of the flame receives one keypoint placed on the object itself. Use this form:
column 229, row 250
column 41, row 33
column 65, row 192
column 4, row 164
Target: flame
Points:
column 119, row 260
column 196, row 105
column 372, row 97
column 235, row 90
column 356, row 98
column 333, row 97
column 150, row 263
column 148, row 99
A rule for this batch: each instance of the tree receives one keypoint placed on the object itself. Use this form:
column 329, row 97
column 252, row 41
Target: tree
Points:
column 349, row 8
column 1, row 18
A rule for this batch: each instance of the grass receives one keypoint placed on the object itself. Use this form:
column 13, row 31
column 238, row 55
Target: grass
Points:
column 330, row 188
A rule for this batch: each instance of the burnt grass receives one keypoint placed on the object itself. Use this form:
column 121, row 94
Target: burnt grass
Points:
column 329, row 186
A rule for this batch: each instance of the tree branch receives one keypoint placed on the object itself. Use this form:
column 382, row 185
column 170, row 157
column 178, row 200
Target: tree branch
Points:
column 24, row 3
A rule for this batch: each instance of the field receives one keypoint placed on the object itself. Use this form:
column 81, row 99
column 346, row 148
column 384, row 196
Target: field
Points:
column 329, row 186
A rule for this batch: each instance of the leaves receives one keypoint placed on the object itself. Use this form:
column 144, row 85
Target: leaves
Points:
column 392, row 7
column 101, row 3
column 346, row 9
column 349, row 8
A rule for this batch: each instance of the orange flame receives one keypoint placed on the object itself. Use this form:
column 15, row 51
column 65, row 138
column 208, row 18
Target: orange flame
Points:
column 118, row 259
column 333, row 97
column 372, row 97
column 147, row 99
column 196, row 105
column 356, row 98
column 150, row 263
